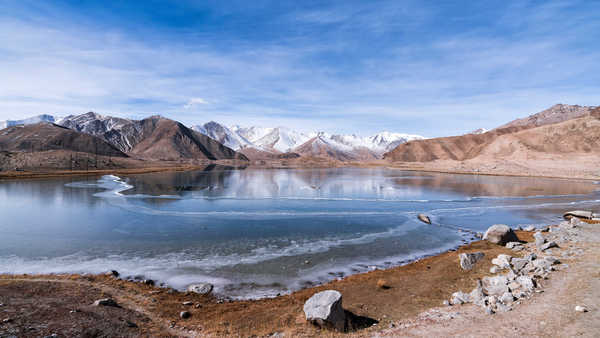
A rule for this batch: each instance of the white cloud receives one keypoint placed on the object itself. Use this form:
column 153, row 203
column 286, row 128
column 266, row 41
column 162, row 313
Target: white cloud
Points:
column 194, row 102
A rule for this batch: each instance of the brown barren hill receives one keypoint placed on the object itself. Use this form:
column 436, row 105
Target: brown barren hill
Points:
column 579, row 135
column 47, row 136
column 165, row 139
column 555, row 114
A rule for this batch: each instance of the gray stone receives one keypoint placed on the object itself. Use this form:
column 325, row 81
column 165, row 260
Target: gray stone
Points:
column 201, row 288
column 502, row 261
column 518, row 263
column 548, row 245
column 459, row 298
column 468, row 260
column 552, row 260
column 580, row 308
column 495, row 286
column 511, row 245
column 503, row 308
column 424, row 218
column 477, row 296
column 507, row 298
column 325, row 309
column 539, row 239
column 106, row 302
column 500, row 234
column 526, row 282
column 531, row 257
column 185, row 314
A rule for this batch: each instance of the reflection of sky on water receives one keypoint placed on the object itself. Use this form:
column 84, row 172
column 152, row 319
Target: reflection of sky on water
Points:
column 257, row 227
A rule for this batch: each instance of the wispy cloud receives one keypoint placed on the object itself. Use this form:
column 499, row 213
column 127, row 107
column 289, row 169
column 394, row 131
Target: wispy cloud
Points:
column 343, row 67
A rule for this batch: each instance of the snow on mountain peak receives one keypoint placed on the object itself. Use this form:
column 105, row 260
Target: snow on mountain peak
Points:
column 283, row 139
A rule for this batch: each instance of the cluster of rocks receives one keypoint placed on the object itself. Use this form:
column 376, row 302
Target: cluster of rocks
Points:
column 514, row 278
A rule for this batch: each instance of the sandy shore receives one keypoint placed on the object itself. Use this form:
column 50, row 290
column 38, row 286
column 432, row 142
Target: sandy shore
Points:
column 411, row 306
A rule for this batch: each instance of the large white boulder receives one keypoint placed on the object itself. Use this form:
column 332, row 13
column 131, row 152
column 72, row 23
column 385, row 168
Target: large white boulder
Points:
column 325, row 309
column 500, row 234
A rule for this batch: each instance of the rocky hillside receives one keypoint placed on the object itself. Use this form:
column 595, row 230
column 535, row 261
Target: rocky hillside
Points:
column 165, row 139
column 154, row 138
column 47, row 136
column 580, row 134
column 555, row 114
column 331, row 148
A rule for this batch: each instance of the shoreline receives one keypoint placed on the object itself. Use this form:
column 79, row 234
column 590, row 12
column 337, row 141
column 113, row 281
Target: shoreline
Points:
column 413, row 273
column 417, row 167
column 410, row 305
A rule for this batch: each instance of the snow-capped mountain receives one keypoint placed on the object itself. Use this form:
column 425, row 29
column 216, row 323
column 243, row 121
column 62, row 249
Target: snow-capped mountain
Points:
column 123, row 133
column 479, row 131
column 282, row 140
column 31, row 120
column 223, row 134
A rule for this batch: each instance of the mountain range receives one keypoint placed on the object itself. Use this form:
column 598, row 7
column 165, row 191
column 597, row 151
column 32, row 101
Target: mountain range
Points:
column 557, row 130
column 258, row 142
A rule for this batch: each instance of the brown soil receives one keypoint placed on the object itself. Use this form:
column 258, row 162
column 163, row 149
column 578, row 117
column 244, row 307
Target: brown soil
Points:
column 411, row 289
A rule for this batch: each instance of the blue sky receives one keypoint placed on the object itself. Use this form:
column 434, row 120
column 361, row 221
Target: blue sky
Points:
column 434, row 68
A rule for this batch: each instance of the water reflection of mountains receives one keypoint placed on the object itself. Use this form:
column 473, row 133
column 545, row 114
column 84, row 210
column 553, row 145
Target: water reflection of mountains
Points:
column 217, row 181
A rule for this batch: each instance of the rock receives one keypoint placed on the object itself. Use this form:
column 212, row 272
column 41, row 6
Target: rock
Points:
column 539, row 239
column 446, row 302
column 494, row 269
column 579, row 214
column 185, row 314
column 495, row 286
column 502, row 261
column 424, row 218
column 148, row 282
column 468, row 260
column 511, row 245
column 325, row 309
column 6, row 320
column 477, row 296
column 113, row 273
column 201, row 288
column 529, row 228
column 552, row 260
column 187, row 303
column 503, row 308
column 580, row 308
column 459, row 298
column 531, row 257
column 507, row 298
column 382, row 284
column 518, row 263
column 548, row 245
column 106, row 302
column 500, row 234
column 526, row 282
column 131, row 324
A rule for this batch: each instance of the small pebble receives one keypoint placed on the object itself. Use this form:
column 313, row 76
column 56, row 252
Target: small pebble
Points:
column 7, row 320
column 580, row 308
column 131, row 324
column 187, row 303
column 185, row 314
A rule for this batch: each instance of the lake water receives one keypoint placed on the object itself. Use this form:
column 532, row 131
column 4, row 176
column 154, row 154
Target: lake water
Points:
column 259, row 232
